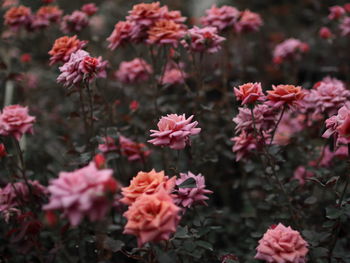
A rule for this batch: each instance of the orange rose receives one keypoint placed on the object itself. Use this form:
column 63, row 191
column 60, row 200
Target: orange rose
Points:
column 285, row 94
column 147, row 183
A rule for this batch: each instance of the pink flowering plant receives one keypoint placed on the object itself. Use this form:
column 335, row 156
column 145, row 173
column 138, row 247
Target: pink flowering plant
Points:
column 174, row 131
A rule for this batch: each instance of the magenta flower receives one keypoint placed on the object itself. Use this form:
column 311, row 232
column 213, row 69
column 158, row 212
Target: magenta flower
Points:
column 188, row 197
column 248, row 22
column 202, row 40
column 74, row 22
column 83, row 192
column 289, row 49
column 134, row 71
column 327, row 96
column 336, row 12
column 15, row 121
column 220, row 17
column 124, row 32
column 345, row 26
column 89, row 9
column 339, row 125
column 264, row 118
column 81, row 66
column 282, row 244
column 14, row 196
column 174, row 131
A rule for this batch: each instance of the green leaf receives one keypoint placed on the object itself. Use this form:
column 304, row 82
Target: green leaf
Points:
column 205, row 245
column 188, row 183
column 310, row 200
column 113, row 245
column 333, row 213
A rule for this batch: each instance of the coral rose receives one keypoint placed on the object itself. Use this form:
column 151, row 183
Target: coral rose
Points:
column 165, row 32
column 285, row 95
column 152, row 217
column 18, row 16
column 282, row 244
column 15, row 121
column 124, row 31
column 64, row 47
column 146, row 183
column 249, row 93
column 133, row 150
column 174, row 131
column 83, row 192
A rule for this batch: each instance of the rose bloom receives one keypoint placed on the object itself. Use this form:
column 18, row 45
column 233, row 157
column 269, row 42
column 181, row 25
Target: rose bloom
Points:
column 287, row 128
column 15, row 121
column 220, row 17
column 13, row 196
column 18, row 16
column 249, row 93
column 336, row 12
column 152, row 218
column 108, row 145
column 64, row 47
column 124, row 32
column 50, row 13
column 188, row 197
column 81, row 66
column 285, row 95
column 264, row 119
column 174, row 131
column 165, row 32
column 133, row 150
column 283, row 245
column 74, row 22
column 248, row 22
column 339, row 125
column 327, row 96
column 172, row 15
column 83, row 192
column 289, row 49
column 89, row 9
column 134, row 71
column 146, row 183
column 244, row 144
column 202, row 40
column 345, row 26
column 325, row 33
column 173, row 76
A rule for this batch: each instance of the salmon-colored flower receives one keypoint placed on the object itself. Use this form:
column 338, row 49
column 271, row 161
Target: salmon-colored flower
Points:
column 15, row 121
column 152, row 218
column 282, row 244
column 249, row 93
column 145, row 14
column 165, row 32
column 146, row 183
column 64, row 47
column 18, row 16
column 83, row 192
column 285, row 95
column 174, row 131
column 124, row 32
column 50, row 13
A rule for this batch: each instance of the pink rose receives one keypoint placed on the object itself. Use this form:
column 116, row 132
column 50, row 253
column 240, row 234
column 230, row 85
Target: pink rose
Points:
column 15, row 121
column 282, row 244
